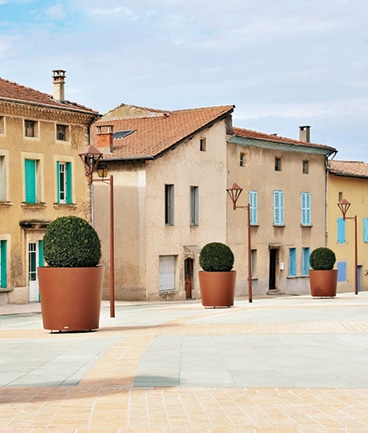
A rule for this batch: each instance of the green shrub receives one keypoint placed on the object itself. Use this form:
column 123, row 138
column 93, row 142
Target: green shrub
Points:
column 216, row 257
column 71, row 242
column 322, row 259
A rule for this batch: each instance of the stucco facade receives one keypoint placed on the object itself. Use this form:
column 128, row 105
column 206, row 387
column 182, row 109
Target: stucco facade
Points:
column 349, row 180
column 144, row 239
column 155, row 258
column 265, row 166
column 33, row 163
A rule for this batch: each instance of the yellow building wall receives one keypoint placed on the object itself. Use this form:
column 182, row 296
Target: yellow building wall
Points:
column 22, row 223
column 355, row 190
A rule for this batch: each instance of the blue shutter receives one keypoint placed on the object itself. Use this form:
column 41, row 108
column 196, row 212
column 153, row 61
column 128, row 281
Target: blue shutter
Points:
column 69, row 195
column 278, row 205
column 292, row 262
column 341, row 271
column 3, row 264
column 341, row 230
column 306, row 208
column 365, row 229
column 30, row 180
column 253, row 202
column 305, row 261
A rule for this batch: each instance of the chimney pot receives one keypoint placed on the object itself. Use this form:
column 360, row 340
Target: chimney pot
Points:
column 304, row 133
column 59, row 80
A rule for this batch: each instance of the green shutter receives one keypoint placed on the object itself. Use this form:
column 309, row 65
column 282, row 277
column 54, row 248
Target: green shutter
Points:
column 69, row 195
column 58, row 181
column 3, row 264
column 41, row 260
column 30, row 180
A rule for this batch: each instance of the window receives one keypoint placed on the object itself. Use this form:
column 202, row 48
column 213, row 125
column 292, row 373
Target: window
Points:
column 277, row 164
column 169, row 205
column 3, row 260
column 202, row 145
column 62, row 132
column 31, row 181
column 194, row 202
column 305, row 261
column 341, row 230
column 278, row 207
column 64, row 182
column 242, row 160
column 305, row 167
column 306, row 208
column 292, row 262
column 30, row 128
column 167, row 273
column 2, row 125
column 253, row 207
column 2, row 179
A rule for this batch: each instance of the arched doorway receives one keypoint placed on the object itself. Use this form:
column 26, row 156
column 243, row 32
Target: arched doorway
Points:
column 188, row 277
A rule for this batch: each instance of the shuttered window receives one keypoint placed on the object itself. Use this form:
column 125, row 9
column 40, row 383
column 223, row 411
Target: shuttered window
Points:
column 3, row 264
column 30, row 170
column 341, row 230
column 292, row 262
column 306, row 208
column 167, row 273
column 253, row 203
column 64, row 182
column 278, row 207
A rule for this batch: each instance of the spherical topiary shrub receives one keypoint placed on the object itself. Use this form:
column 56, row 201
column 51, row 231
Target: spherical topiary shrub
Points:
column 216, row 257
column 322, row 259
column 71, row 242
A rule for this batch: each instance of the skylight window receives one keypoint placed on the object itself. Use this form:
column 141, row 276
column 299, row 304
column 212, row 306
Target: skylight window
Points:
column 123, row 134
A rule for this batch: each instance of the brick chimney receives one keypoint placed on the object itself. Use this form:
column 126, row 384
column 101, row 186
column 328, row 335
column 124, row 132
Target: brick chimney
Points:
column 104, row 139
column 59, row 80
column 304, row 133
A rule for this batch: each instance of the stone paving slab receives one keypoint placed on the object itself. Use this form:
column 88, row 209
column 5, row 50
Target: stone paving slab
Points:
column 200, row 364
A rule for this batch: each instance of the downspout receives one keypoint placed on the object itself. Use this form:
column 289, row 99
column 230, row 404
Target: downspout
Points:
column 326, row 194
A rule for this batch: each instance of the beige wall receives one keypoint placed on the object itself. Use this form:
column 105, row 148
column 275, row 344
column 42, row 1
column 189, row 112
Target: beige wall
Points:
column 355, row 190
column 259, row 175
column 141, row 236
column 23, row 223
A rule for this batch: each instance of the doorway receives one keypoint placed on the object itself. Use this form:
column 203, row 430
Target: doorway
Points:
column 35, row 259
column 188, row 277
column 272, row 268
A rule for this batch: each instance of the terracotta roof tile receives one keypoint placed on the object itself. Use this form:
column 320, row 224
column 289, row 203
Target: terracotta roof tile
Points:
column 247, row 133
column 349, row 168
column 10, row 91
column 157, row 133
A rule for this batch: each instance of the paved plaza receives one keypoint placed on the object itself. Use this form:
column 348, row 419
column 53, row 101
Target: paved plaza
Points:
column 281, row 364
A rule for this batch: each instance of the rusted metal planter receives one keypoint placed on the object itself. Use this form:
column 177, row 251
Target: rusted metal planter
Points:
column 217, row 288
column 70, row 297
column 323, row 284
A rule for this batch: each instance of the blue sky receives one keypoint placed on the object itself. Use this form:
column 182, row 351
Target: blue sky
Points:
column 283, row 63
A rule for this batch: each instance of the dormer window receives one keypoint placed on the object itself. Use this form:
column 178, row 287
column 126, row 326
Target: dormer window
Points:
column 62, row 132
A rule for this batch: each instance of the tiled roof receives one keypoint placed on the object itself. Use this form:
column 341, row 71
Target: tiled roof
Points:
column 157, row 133
column 247, row 133
column 349, row 168
column 10, row 91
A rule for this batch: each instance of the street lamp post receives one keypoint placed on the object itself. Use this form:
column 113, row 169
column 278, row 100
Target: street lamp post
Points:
column 344, row 207
column 234, row 193
column 92, row 160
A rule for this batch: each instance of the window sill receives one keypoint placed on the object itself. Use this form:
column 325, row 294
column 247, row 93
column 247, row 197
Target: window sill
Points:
column 307, row 226
column 65, row 205
column 6, row 203
column 40, row 205
column 293, row 277
column 279, row 225
column 5, row 290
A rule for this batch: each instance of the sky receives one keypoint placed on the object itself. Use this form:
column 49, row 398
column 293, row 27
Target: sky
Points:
column 282, row 63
